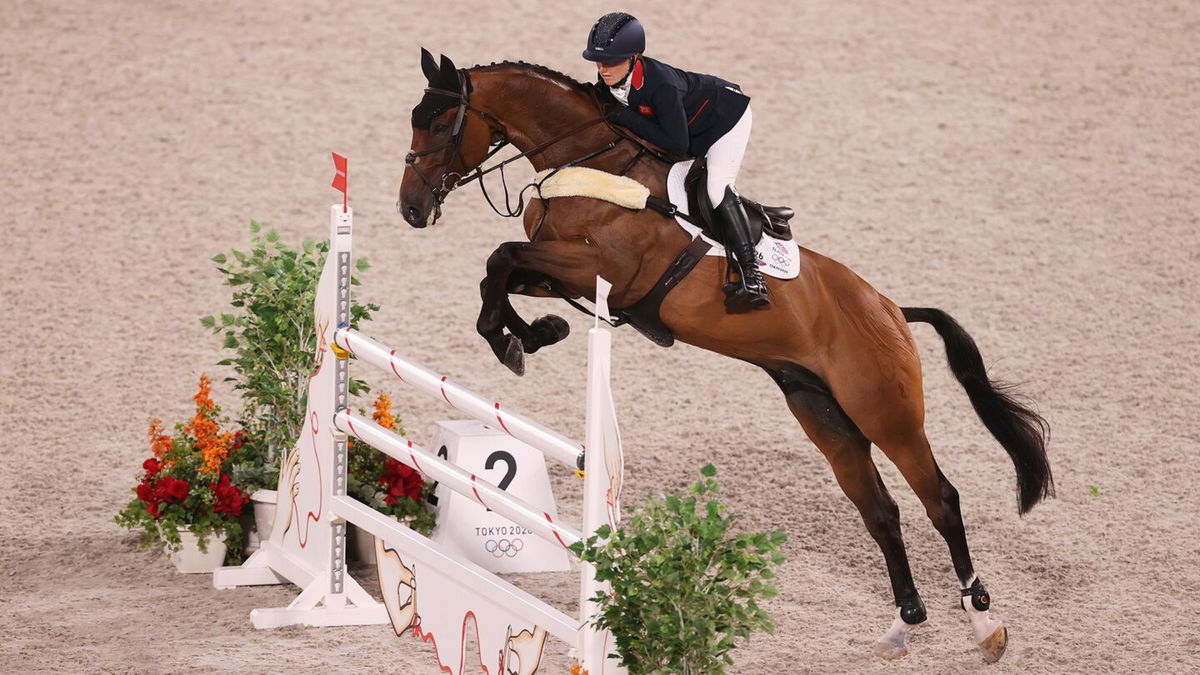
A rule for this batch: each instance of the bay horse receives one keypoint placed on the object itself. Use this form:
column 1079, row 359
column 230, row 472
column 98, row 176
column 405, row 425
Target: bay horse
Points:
column 840, row 351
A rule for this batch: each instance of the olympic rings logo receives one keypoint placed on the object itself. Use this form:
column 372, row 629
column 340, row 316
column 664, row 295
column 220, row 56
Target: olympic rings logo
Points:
column 500, row 548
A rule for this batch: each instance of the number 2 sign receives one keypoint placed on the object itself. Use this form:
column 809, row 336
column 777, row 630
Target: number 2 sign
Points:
column 477, row 533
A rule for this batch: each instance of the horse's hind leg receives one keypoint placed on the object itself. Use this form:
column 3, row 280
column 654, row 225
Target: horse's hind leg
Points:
column 885, row 400
column 909, row 451
column 888, row 407
column 849, row 453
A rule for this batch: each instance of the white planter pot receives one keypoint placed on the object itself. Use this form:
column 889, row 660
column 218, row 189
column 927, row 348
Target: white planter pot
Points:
column 189, row 559
column 362, row 545
column 263, row 503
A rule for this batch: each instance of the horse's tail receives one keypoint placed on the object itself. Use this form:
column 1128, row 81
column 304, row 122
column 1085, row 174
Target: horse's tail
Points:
column 1020, row 430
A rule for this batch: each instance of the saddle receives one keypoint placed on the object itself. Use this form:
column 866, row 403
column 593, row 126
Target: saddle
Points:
column 769, row 220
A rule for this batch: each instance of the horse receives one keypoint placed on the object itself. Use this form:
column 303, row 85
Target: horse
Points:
column 840, row 351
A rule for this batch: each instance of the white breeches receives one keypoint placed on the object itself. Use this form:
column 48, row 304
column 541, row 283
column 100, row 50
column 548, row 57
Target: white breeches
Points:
column 725, row 158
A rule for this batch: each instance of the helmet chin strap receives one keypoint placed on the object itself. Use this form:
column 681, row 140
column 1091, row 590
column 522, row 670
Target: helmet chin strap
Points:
column 629, row 72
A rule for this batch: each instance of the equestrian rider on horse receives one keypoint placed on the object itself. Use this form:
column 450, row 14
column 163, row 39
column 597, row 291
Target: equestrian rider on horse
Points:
column 688, row 114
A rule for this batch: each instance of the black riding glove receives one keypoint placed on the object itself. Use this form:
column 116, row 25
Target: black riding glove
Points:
column 621, row 114
column 615, row 112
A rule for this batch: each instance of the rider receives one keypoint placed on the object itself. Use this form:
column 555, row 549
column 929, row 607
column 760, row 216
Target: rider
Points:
column 688, row 114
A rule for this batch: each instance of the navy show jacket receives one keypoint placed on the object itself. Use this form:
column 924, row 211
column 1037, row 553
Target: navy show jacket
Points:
column 680, row 111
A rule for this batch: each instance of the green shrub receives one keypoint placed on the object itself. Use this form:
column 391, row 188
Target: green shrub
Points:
column 685, row 588
column 273, row 341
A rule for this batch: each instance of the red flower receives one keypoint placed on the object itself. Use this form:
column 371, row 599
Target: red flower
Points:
column 145, row 492
column 171, row 489
column 152, row 467
column 230, row 498
column 401, row 481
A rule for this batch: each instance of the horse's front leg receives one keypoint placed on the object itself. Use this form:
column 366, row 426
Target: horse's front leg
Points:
column 513, row 264
column 545, row 330
column 496, row 313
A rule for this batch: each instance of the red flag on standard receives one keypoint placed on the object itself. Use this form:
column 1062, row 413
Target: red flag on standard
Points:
column 339, row 178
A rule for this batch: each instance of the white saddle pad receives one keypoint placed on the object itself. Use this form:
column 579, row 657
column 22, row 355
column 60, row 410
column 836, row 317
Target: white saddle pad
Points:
column 779, row 259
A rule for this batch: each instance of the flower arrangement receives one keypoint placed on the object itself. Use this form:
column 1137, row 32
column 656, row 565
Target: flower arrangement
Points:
column 184, row 485
column 379, row 481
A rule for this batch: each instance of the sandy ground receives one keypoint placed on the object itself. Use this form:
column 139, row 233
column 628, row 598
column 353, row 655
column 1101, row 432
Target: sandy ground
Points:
column 1030, row 167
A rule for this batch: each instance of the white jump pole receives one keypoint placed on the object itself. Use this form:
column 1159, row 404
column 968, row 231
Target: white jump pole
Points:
column 605, row 467
column 550, row 442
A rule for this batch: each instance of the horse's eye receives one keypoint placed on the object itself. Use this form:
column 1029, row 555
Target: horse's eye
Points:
column 440, row 128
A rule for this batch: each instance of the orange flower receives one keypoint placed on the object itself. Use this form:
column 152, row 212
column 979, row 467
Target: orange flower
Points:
column 382, row 415
column 160, row 442
column 212, row 444
column 578, row 670
column 202, row 397
column 215, row 451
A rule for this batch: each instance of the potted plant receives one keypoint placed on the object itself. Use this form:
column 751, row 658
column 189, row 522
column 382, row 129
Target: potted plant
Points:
column 392, row 488
column 685, row 589
column 272, row 339
column 185, row 498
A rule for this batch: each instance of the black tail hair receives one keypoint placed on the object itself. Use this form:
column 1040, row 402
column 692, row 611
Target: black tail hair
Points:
column 1021, row 431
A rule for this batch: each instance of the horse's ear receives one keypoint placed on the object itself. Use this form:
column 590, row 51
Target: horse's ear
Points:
column 449, row 72
column 429, row 66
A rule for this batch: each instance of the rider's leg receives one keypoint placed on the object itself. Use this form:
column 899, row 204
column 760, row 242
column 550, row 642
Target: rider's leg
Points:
column 751, row 290
column 724, row 161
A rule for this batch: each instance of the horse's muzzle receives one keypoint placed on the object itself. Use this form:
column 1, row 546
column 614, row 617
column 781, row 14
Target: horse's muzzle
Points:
column 419, row 216
column 412, row 215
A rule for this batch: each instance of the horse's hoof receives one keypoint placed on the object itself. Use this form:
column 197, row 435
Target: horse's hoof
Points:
column 514, row 356
column 894, row 643
column 888, row 650
column 548, row 330
column 993, row 646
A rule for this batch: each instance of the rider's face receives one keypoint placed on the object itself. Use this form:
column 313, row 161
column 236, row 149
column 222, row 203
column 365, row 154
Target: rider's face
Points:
column 612, row 73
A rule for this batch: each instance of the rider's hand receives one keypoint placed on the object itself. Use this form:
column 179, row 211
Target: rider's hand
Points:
column 615, row 112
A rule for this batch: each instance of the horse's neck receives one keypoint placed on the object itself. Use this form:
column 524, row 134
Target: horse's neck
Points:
column 536, row 109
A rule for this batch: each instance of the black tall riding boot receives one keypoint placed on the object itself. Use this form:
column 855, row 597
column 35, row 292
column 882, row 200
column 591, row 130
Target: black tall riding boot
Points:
column 750, row 292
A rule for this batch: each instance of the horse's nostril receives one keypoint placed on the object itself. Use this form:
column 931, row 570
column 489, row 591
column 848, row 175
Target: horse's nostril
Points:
column 412, row 214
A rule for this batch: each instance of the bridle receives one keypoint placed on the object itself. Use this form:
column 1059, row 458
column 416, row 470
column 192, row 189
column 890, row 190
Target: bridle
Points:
column 451, row 179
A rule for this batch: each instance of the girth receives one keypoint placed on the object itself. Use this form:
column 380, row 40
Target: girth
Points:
column 643, row 315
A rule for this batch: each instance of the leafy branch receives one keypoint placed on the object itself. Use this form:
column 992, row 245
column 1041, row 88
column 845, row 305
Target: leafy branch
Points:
column 685, row 590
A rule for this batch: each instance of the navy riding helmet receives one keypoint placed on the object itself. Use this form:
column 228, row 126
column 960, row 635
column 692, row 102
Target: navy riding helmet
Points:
column 615, row 36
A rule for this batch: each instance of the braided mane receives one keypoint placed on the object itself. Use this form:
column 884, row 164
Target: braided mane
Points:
column 539, row 69
column 434, row 104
